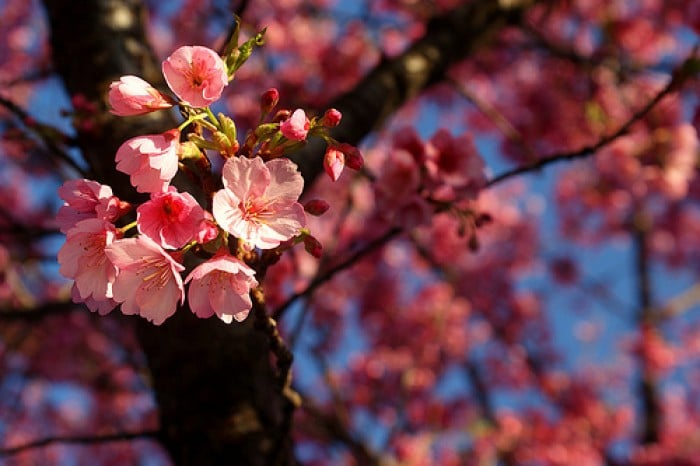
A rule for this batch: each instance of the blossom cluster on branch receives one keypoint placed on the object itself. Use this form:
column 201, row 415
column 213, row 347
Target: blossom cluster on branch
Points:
column 222, row 226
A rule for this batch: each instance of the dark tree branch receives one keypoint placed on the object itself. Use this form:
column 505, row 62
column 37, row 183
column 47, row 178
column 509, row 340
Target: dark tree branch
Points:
column 40, row 312
column 326, row 275
column 45, row 133
column 648, row 390
column 586, row 151
column 449, row 38
column 336, row 430
column 79, row 440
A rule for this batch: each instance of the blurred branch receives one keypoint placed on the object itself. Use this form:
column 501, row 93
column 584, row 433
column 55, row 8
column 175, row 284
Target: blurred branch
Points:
column 44, row 72
column 496, row 117
column 449, row 38
column 591, row 149
column 337, row 430
column 47, row 134
column 38, row 312
column 648, row 390
column 79, row 440
column 680, row 303
column 330, row 273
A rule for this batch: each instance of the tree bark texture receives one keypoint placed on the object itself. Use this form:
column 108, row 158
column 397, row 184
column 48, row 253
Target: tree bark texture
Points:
column 218, row 393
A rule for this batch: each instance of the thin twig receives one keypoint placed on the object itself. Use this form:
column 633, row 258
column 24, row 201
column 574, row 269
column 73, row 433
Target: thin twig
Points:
column 79, row 440
column 591, row 149
column 496, row 117
column 648, row 390
column 330, row 273
column 41, row 131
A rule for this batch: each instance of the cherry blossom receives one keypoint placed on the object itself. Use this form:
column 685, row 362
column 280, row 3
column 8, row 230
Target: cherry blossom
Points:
column 132, row 95
column 82, row 258
column 220, row 286
column 148, row 282
column 100, row 306
column 259, row 201
column 170, row 218
column 150, row 161
column 196, row 74
column 86, row 199
column 296, row 127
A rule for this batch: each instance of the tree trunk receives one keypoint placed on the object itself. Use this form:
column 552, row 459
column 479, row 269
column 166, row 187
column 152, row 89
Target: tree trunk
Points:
column 218, row 394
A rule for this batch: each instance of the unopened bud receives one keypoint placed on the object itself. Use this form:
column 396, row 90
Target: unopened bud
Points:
column 313, row 246
column 334, row 162
column 331, row 118
column 353, row 157
column 316, row 207
column 268, row 100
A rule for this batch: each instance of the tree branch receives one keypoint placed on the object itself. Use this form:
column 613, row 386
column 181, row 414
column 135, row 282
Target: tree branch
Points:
column 45, row 133
column 449, row 38
column 326, row 275
column 79, row 440
column 648, row 390
column 591, row 149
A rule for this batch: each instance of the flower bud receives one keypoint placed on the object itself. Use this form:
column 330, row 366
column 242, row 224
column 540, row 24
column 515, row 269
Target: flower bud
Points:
column 331, row 118
column 316, row 207
column 334, row 162
column 269, row 100
column 313, row 246
column 353, row 157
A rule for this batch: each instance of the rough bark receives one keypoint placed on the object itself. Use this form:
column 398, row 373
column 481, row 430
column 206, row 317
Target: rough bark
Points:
column 218, row 395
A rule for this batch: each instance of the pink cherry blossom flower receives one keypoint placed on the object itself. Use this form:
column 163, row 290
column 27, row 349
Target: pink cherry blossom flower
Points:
column 86, row 199
column 101, row 306
column 132, row 95
column 221, row 286
column 207, row 230
column 454, row 166
column 296, row 127
column 259, row 201
column 151, row 161
column 196, row 74
column 171, row 219
column 334, row 162
column 148, row 283
column 82, row 258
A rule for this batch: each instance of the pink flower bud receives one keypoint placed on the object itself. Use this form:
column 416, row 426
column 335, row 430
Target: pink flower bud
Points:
column 207, row 231
column 269, row 100
column 296, row 127
column 316, row 207
column 134, row 96
column 334, row 162
column 313, row 246
column 331, row 118
column 353, row 157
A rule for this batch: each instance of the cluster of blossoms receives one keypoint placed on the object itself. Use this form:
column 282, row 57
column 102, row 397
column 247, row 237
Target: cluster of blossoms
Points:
column 252, row 206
